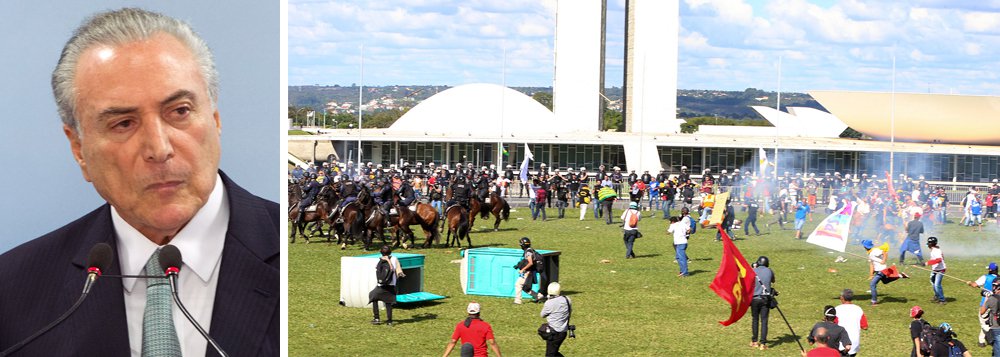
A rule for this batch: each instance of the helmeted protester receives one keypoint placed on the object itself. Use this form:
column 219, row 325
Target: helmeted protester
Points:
column 938, row 269
column 526, row 270
column 630, row 224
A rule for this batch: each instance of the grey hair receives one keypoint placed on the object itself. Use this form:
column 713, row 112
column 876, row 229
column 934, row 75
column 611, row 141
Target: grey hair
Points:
column 118, row 27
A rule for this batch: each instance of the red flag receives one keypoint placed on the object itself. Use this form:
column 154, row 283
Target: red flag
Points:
column 892, row 191
column 735, row 280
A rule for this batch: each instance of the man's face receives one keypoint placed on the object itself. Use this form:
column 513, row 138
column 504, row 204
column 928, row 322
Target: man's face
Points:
column 149, row 138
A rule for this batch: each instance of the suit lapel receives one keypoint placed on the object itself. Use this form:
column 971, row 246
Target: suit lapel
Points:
column 101, row 319
column 245, row 314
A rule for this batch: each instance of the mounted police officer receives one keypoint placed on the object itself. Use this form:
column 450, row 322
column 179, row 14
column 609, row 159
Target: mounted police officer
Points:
column 383, row 197
column 460, row 192
column 309, row 193
column 406, row 194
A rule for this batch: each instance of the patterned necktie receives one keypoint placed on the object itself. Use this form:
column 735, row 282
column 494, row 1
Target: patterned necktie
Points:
column 159, row 338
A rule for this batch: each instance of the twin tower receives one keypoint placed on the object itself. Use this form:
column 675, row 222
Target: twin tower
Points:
column 650, row 68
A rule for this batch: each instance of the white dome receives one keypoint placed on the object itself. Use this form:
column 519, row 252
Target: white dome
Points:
column 475, row 109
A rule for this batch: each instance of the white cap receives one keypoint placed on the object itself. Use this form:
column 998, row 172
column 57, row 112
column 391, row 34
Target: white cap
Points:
column 554, row 288
column 473, row 308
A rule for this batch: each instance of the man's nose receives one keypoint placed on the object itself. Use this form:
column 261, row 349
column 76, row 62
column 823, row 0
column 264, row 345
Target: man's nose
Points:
column 156, row 141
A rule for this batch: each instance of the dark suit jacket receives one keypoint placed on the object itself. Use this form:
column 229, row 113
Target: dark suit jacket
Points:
column 41, row 279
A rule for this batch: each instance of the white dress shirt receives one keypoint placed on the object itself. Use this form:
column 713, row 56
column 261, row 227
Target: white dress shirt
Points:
column 200, row 242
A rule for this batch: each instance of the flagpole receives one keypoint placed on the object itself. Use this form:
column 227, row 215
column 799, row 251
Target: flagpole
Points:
column 361, row 86
column 502, row 93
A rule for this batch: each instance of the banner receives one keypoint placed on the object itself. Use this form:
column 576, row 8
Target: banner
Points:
column 735, row 280
column 833, row 232
column 718, row 210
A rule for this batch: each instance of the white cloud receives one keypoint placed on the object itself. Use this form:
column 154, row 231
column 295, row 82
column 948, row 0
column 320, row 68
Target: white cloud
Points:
column 919, row 56
column 717, row 62
column 981, row 22
column 973, row 49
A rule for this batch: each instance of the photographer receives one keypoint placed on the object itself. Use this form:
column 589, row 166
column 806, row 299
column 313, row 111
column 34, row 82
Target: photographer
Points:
column 557, row 311
column 761, row 304
column 989, row 311
column 984, row 283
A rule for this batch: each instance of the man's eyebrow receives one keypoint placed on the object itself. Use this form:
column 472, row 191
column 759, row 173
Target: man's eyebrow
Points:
column 115, row 111
column 182, row 93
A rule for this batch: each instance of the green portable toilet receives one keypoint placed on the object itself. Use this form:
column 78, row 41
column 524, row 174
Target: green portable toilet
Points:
column 357, row 279
column 491, row 272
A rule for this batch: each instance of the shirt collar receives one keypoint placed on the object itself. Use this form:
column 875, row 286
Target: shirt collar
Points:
column 200, row 241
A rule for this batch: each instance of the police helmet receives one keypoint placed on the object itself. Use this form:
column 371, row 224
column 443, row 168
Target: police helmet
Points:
column 470, row 165
column 763, row 261
column 524, row 242
column 932, row 241
column 510, row 166
column 482, row 168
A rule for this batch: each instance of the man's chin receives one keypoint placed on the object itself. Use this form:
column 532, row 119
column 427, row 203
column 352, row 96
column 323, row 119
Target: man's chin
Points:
column 164, row 221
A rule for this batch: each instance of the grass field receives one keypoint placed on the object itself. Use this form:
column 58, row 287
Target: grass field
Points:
column 635, row 307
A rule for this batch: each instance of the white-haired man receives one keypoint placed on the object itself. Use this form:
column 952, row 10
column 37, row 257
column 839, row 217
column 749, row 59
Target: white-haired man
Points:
column 137, row 93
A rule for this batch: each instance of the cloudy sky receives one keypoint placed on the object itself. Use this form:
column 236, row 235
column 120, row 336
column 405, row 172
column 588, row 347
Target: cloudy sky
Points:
column 939, row 46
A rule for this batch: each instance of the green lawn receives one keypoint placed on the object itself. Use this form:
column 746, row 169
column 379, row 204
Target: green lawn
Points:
column 632, row 307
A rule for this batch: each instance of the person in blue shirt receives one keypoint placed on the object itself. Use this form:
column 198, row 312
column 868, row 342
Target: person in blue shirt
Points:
column 984, row 283
column 801, row 212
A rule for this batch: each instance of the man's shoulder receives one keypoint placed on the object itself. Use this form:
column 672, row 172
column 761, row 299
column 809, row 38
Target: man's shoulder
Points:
column 59, row 245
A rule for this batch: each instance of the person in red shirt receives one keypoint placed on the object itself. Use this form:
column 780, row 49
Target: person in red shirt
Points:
column 822, row 348
column 474, row 333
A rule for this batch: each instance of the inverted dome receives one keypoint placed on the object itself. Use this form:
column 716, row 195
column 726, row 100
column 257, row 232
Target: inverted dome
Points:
column 477, row 109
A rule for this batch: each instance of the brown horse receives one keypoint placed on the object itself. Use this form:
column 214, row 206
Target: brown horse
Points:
column 371, row 223
column 498, row 206
column 323, row 201
column 458, row 223
column 425, row 215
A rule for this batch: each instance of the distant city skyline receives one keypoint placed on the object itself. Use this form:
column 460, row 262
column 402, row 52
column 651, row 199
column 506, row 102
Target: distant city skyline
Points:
column 939, row 46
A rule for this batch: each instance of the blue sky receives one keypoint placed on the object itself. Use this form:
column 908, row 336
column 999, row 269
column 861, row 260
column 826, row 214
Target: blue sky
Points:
column 939, row 46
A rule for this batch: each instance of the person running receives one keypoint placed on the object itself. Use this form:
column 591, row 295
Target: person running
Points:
column 938, row 268
column 475, row 332
column 801, row 213
column 752, row 208
column 852, row 319
column 984, row 282
column 630, row 223
column 680, row 229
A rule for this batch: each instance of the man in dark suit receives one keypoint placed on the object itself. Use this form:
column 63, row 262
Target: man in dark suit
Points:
column 137, row 94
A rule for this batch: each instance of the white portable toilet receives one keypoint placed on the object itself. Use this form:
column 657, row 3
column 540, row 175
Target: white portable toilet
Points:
column 357, row 279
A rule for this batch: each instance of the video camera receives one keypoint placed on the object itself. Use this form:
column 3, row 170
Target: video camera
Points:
column 572, row 330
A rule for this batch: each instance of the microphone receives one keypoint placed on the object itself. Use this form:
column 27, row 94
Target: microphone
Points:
column 98, row 260
column 170, row 260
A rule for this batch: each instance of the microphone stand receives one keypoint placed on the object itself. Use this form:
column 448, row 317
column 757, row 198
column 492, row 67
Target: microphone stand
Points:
column 172, row 278
column 91, row 278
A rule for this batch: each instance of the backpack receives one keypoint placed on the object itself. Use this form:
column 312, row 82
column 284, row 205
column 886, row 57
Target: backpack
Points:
column 383, row 272
column 930, row 336
column 633, row 220
column 953, row 350
column 537, row 258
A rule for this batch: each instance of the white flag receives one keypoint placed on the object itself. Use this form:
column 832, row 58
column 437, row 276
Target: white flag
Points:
column 833, row 232
column 524, row 164
column 310, row 114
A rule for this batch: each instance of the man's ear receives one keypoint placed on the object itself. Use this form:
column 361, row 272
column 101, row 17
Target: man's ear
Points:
column 74, row 145
column 218, row 122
